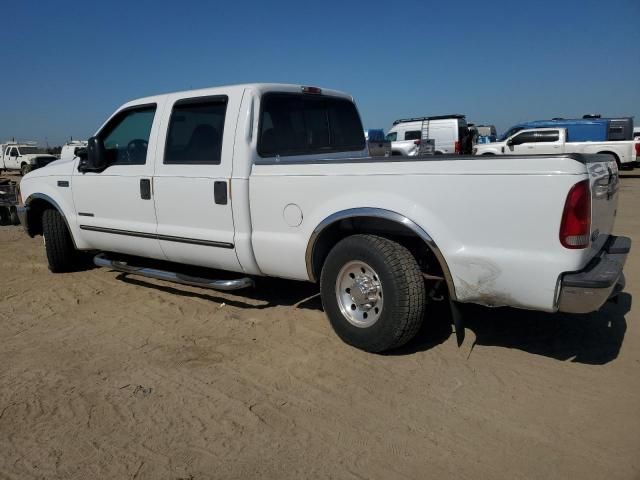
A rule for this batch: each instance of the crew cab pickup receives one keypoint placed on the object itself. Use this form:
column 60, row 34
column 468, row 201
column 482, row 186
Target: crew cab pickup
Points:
column 539, row 141
column 275, row 180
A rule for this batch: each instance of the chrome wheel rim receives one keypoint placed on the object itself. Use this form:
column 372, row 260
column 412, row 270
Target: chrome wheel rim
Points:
column 359, row 294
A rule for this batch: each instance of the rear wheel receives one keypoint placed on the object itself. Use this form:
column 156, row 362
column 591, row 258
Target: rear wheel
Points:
column 13, row 215
column 58, row 242
column 373, row 292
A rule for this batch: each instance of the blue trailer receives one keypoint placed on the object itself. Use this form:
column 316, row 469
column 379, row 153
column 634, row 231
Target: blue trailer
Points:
column 578, row 130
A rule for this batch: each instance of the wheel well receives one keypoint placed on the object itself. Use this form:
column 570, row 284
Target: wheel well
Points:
column 336, row 231
column 615, row 156
column 34, row 220
column 488, row 153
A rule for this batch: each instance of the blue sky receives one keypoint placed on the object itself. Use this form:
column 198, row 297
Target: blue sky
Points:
column 69, row 64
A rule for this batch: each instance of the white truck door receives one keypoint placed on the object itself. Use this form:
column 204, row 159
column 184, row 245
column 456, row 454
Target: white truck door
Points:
column 12, row 161
column 115, row 208
column 548, row 142
column 522, row 143
column 192, row 179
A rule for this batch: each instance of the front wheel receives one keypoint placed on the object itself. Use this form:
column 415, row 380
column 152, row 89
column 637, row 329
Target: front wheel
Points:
column 58, row 243
column 373, row 292
column 26, row 168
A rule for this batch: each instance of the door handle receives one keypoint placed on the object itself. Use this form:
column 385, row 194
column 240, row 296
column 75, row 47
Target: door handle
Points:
column 145, row 189
column 220, row 192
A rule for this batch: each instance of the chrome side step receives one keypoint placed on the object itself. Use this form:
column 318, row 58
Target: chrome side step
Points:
column 101, row 260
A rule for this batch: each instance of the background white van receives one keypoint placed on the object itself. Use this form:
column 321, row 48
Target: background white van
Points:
column 450, row 133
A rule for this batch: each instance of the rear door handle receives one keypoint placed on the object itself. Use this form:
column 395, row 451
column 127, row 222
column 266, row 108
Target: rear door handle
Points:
column 220, row 192
column 145, row 189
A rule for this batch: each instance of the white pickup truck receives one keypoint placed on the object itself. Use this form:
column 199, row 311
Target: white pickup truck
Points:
column 274, row 180
column 544, row 141
column 22, row 157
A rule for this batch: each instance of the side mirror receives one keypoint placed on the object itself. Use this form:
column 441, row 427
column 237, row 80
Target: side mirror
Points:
column 510, row 142
column 94, row 157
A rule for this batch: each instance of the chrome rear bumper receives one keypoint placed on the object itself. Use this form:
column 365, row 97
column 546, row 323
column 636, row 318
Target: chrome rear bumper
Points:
column 587, row 290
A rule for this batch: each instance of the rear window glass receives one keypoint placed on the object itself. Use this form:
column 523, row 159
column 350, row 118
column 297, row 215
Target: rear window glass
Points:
column 295, row 124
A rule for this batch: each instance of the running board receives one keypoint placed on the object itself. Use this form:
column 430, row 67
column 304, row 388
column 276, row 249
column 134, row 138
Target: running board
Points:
column 101, row 260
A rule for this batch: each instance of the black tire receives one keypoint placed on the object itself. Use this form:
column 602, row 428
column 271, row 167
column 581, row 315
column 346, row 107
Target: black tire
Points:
column 401, row 282
column 58, row 242
column 488, row 153
column 13, row 214
column 24, row 169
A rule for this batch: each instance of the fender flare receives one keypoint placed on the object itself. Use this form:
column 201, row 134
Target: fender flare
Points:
column 387, row 215
column 46, row 198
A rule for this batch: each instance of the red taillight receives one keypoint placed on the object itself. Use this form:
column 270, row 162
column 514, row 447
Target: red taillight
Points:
column 637, row 149
column 416, row 142
column 457, row 147
column 575, row 228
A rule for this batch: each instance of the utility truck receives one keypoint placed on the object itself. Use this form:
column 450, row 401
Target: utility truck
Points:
column 22, row 157
column 276, row 180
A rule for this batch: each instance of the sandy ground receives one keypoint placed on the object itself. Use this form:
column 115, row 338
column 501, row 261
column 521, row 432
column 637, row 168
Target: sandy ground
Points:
column 108, row 376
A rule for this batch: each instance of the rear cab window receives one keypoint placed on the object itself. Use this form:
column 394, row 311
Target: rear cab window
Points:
column 302, row 124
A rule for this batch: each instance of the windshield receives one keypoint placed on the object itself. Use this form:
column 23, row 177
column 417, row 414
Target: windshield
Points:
column 508, row 133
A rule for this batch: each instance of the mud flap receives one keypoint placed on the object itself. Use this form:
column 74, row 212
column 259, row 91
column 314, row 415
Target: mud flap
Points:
column 456, row 316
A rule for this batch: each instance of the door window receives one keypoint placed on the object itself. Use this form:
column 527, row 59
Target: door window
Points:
column 524, row 137
column 195, row 131
column 547, row 136
column 126, row 137
column 392, row 136
column 412, row 135
column 14, row 152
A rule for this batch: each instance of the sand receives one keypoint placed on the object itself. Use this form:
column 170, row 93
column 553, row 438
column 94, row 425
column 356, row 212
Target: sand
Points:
column 108, row 376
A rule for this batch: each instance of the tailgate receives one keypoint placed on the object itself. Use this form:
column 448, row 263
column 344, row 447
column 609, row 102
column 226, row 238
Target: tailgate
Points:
column 604, row 182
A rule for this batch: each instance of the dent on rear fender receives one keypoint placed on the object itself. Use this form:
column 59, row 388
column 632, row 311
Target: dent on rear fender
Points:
column 479, row 284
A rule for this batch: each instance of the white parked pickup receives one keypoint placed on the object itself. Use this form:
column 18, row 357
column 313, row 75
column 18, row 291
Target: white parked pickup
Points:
column 274, row 180
column 539, row 141
column 23, row 157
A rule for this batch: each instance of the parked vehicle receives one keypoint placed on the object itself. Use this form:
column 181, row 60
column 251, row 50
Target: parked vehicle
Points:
column 590, row 128
column 68, row 151
column 538, row 141
column 449, row 133
column 377, row 144
column 275, row 180
column 23, row 157
column 636, row 132
column 8, row 202
column 487, row 131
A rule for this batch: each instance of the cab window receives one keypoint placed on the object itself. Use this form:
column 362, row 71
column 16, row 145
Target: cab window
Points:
column 392, row 136
column 126, row 137
column 548, row 136
column 195, row 131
